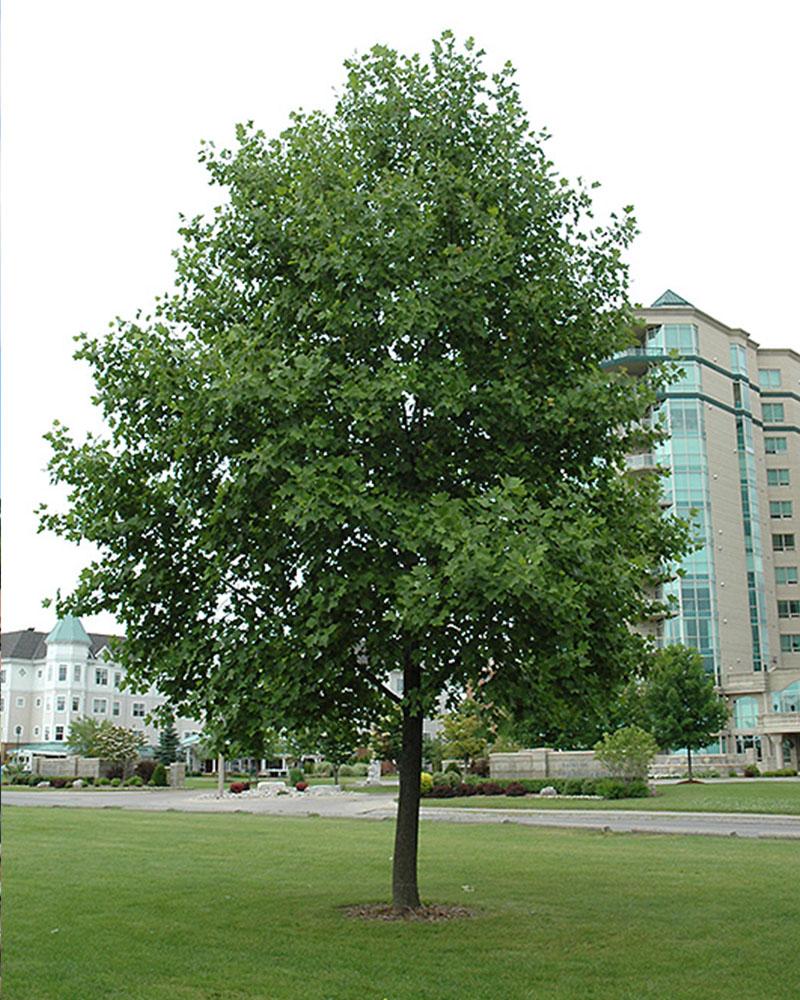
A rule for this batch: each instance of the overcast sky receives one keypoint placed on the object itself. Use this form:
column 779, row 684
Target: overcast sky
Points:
column 687, row 110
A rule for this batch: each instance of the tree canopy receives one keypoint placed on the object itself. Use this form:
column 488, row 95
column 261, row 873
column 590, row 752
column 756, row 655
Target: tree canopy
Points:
column 372, row 430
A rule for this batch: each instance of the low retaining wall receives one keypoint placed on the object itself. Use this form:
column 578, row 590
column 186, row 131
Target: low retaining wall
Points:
column 545, row 763
column 69, row 767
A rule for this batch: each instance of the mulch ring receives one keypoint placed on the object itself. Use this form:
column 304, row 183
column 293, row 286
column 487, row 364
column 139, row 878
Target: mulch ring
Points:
column 424, row 914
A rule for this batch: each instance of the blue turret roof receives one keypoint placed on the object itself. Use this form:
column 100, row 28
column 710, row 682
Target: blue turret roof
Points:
column 69, row 629
column 670, row 298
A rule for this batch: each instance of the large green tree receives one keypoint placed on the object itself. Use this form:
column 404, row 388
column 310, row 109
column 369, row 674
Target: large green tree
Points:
column 679, row 702
column 371, row 430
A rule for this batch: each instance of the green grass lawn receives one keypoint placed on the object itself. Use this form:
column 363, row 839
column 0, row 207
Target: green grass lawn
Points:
column 736, row 796
column 135, row 906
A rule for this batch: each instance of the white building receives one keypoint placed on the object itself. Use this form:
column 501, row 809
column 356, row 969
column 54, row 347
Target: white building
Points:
column 47, row 682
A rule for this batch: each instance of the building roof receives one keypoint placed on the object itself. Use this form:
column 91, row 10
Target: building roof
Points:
column 69, row 629
column 28, row 644
column 670, row 298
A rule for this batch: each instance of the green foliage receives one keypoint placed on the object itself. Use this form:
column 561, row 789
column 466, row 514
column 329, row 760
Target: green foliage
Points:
column 432, row 752
column 135, row 781
column 168, row 742
column 115, row 782
column 425, row 782
column 679, row 702
column 465, row 731
column 295, row 775
column 83, row 736
column 627, row 753
column 159, row 777
column 617, row 788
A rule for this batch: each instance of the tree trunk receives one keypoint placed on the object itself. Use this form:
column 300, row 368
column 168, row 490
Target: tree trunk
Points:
column 689, row 761
column 405, row 894
column 220, row 776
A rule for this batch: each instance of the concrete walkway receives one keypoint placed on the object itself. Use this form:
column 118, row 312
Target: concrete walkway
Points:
column 354, row 805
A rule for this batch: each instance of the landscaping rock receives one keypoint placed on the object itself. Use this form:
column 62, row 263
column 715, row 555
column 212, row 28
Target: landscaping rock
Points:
column 77, row 783
column 548, row 792
column 43, row 784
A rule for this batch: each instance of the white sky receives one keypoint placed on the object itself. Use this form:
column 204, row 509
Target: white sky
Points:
column 688, row 110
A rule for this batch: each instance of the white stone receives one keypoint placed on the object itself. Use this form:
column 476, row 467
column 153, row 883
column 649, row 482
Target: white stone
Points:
column 77, row 783
column 43, row 784
column 548, row 792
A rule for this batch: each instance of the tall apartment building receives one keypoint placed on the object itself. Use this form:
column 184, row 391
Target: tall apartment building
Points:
column 733, row 457
column 46, row 682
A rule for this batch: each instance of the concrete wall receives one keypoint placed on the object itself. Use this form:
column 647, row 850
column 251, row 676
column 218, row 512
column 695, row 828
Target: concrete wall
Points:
column 545, row 763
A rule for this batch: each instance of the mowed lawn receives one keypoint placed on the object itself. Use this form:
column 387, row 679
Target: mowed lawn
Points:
column 111, row 904
column 768, row 796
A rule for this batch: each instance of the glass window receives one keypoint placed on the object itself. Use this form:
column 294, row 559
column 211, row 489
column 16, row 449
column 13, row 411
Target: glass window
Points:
column 61, row 703
column 138, row 710
column 780, row 508
column 772, row 413
column 745, row 713
column 774, row 445
column 101, row 676
column 788, row 609
column 115, row 708
column 681, row 337
column 785, row 574
column 2, row 676
column 18, row 730
column 20, row 702
column 117, row 679
column 62, row 672
column 36, row 730
column 76, row 704
column 38, row 702
column 787, row 700
column 790, row 643
column 46, row 733
column 738, row 359
column 59, row 732
column 690, row 379
column 769, row 378
column 50, row 673
column 76, row 672
column 777, row 477
column 99, row 706
column 783, row 543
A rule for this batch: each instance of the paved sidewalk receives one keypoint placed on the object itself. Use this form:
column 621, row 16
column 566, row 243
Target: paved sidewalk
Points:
column 354, row 805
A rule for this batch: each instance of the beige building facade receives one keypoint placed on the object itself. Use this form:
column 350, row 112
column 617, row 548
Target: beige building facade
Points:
column 49, row 681
column 733, row 456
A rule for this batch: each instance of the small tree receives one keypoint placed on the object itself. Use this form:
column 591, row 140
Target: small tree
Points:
column 627, row 753
column 84, row 735
column 119, row 745
column 680, row 703
column 465, row 732
column 336, row 741
column 168, row 743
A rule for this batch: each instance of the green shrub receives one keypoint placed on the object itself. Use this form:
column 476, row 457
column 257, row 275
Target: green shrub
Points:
column 323, row 770
column 751, row 771
column 452, row 768
column 360, row 770
column 573, row 786
column 134, row 782
column 295, row 775
column 309, row 767
column 159, row 778
column 115, row 782
column 783, row 772
column 618, row 788
column 103, row 781
column 347, row 771
column 425, row 782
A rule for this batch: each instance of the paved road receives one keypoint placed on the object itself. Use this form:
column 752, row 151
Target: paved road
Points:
column 356, row 805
